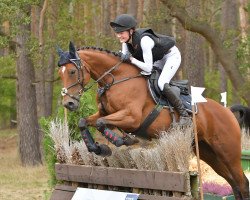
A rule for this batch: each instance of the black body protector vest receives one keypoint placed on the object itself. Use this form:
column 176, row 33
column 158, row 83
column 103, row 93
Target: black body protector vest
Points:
column 162, row 44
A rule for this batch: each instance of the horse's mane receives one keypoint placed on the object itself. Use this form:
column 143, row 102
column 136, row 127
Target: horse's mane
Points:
column 101, row 49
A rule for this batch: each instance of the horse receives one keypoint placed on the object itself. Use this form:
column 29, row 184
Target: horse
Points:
column 124, row 102
column 242, row 114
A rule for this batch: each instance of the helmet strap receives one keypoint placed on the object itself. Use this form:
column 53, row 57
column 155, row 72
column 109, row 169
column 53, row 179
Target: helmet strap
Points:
column 130, row 31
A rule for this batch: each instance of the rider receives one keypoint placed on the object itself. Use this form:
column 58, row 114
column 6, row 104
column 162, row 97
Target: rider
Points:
column 145, row 49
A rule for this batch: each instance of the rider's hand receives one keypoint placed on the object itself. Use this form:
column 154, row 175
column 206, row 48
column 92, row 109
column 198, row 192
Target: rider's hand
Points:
column 125, row 57
column 145, row 73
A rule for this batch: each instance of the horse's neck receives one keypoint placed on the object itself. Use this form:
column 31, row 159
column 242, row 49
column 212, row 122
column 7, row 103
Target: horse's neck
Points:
column 101, row 62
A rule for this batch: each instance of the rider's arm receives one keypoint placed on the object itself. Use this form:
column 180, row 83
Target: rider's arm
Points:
column 147, row 45
column 124, row 48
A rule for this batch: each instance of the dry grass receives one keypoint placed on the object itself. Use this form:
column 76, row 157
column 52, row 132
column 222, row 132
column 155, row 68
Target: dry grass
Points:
column 17, row 182
column 170, row 153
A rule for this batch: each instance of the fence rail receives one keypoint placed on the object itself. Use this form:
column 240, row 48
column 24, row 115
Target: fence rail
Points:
column 154, row 185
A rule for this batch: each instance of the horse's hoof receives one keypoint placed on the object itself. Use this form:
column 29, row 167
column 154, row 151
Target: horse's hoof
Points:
column 104, row 150
column 130, row 140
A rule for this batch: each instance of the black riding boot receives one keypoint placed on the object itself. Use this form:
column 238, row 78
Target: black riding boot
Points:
column 177, row 104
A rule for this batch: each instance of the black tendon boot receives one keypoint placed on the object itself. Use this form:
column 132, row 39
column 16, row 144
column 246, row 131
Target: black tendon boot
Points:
column 177, row 104
column 87, row 138
column 109, row 134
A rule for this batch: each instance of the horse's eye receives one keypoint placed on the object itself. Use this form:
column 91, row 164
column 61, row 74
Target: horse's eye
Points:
column 72, row 72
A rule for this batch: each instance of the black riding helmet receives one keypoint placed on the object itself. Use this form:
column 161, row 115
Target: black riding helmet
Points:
column 123, row 22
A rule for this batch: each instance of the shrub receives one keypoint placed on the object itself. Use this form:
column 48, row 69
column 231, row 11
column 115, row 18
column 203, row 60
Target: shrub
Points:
column 87, row 107
column 216, row 188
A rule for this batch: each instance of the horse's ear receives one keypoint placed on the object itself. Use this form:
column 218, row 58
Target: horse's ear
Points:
column 59, row 50
column 72, row 49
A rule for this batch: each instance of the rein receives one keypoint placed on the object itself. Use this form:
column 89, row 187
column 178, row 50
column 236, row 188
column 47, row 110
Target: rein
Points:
column 78, row 64
column 102, row 76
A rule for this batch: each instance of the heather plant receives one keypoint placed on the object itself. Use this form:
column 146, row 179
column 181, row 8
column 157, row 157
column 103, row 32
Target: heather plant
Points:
column 217, row 189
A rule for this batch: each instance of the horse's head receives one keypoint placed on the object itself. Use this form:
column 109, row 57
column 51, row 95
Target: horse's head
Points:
column 74, row 77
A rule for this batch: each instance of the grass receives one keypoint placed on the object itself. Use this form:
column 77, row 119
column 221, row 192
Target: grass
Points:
column 18, row 182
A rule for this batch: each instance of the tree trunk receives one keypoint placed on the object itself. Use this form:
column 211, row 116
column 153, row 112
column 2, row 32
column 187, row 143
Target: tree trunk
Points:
column 39, row 70
column 243, row 18
column 224, row 56
column 132, row 7
column 51, row 60
column 229, row 26
column 29, row 146
column 121, row 8
column 140, row 11
column 244, row 25
column 194, row 53
column 106, row 17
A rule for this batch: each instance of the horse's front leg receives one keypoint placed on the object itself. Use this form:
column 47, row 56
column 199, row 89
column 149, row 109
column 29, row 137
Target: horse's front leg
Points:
column 120, row 119
column 91, row 120
column 91, row 145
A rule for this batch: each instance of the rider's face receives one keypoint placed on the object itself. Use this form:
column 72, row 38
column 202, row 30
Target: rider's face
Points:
column 123, row 36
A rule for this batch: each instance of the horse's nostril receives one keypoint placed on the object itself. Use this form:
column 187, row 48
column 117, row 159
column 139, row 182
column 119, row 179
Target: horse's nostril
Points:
column 70, row 105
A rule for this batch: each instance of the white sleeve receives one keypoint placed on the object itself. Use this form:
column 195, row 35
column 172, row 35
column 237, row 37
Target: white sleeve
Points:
column 147, row 45
column 124, row 48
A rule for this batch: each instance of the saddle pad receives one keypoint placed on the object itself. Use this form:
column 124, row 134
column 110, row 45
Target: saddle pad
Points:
column 186, row 99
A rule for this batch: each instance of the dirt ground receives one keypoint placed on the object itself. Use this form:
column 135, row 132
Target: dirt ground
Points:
column 17, row 182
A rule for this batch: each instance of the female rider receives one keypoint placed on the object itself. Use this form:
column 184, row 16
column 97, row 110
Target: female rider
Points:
column 145, row 49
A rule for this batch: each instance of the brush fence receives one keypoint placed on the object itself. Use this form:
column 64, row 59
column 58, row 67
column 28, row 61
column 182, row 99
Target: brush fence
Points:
column 151, row 185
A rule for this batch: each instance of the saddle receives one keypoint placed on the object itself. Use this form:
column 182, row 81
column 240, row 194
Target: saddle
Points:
column 179, row 87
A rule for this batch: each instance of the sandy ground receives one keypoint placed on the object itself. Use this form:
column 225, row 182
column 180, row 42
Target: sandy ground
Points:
column 17, row 182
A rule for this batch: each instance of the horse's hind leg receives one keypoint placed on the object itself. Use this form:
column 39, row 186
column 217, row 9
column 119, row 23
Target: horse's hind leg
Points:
column 228, row 169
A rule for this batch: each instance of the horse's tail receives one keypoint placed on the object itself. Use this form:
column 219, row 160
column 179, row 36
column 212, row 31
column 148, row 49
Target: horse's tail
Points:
column 242, row 114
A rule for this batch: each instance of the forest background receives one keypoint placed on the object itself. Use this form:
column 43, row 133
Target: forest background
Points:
column 212, row 35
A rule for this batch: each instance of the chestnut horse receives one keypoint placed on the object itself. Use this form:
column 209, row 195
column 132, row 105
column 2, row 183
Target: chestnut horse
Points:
column 124, row 102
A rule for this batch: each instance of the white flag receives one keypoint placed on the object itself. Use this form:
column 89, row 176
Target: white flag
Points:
column 196, row 94
column 224, row 98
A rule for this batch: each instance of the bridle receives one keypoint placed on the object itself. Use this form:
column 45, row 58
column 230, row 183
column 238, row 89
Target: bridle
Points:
column 79, row 66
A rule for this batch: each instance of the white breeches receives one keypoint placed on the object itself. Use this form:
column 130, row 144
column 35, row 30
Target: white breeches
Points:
column 170, row 62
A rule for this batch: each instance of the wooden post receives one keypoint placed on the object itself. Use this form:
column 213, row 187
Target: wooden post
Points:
column 197, row 153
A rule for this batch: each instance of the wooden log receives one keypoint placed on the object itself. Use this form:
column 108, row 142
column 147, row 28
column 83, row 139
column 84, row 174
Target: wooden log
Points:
column 169, row 181
column 63, row 192
column 125, row 180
